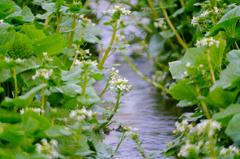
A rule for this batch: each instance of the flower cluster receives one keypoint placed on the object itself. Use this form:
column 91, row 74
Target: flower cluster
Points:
column 43, row 73
column 205, row 14
column 116, row 8
column 117, row 82
column 85, row 20
column 207, row 42
column 18, row 60
column 46, row 57
column 86, row 63
column 48, row 149
column 36, row 110
column 120, row 37
column 198, row 139
column 160, row 24
column 195, row 21
column 230, row 150
column 81, row 114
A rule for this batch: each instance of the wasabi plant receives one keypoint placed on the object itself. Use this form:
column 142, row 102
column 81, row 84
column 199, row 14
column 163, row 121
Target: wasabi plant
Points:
column 49, row 106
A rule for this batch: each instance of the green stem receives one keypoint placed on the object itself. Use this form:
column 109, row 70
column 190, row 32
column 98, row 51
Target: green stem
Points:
column 140, row 148
column 210, row 66
column 59, row 22
column 150, row 2
column 182, row 3
column 72, row 33
column 85, row 83
column 43, row 102
column 184, row 45
column 76, row 54
column 86, row 4
column 109, row 46
column 119, row 144
column 237, row 45
column 15, row 82
column 104, row 90
column 142, row 76
column 204, row 106
column 115, row 110
column 46, row 21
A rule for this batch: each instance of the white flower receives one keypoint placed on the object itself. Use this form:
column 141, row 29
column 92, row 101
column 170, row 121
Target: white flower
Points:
column 216, row 9
column 73, row 114
column 207, row 42
column 44, row 141
column 38, row 148
column 160, row 24
column 1, row 21
column 223, row 151
column 135, row 129
column 201, row 65
column 205, row 13
column 188, row 64
column 22, row 111
column 185, row 73
column 116, row 8
column 54, row 142
column 44, row 53
column 195, row 21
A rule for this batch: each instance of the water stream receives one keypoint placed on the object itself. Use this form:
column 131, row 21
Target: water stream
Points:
column 144, row 107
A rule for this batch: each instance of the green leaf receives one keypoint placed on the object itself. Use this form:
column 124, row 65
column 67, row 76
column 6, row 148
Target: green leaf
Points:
column 31, row 118
column 188, row 91
column 49, row 7
column 156, row 45
column 52, row 44
column 25, row 15
column 192, row 55
column 5, row 10
column 226, row 115
column 228, row 21
column 24, row 100
column 32, row 32
column 177, row 12
column 57, row 131
column 90, row 97
column 233, row 128
column 7, row 116
column 167, row 33
column 233, row 55
column 177, row 69
column 12, row 133
column 71, row 90
column 5, row 75
column 30, row 124
column 91, row 38
column 220, row 98
column 6, row 41
column 228, row 78
column 44, row 16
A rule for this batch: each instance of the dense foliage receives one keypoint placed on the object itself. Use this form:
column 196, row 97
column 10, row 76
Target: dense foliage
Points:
column 49, row 106
column 48, row 102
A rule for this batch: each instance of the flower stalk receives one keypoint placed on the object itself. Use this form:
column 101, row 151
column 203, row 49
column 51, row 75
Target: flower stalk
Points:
column 109, row 46
column 184, row 45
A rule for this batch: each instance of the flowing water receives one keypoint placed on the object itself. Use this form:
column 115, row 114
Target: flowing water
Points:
column 144, row 108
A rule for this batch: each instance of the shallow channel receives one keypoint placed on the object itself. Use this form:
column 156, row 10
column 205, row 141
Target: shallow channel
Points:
column 145, row 108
